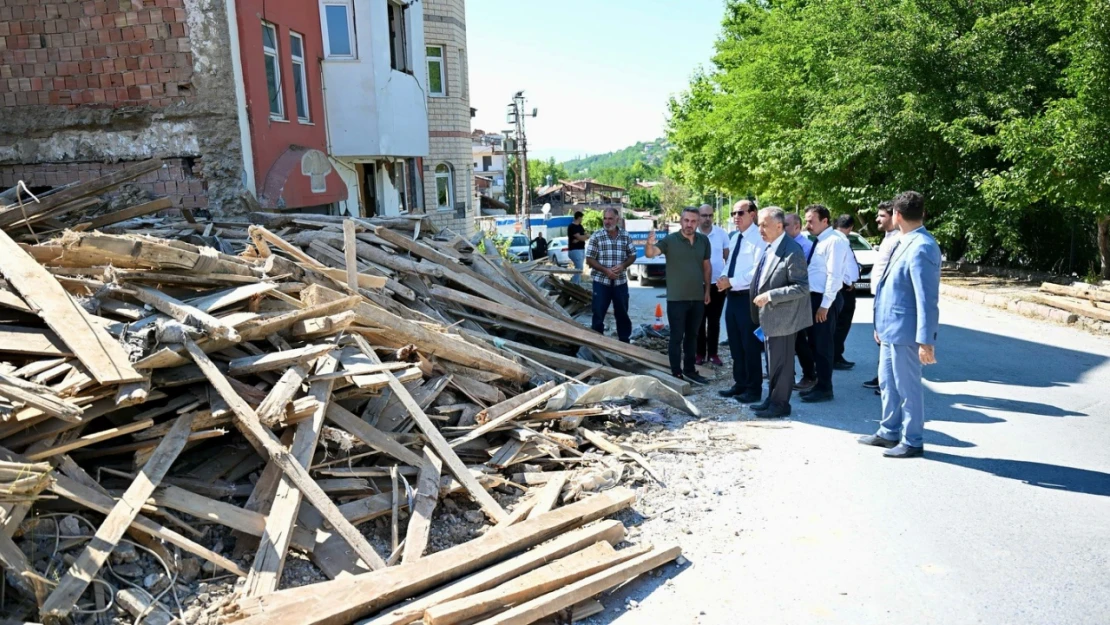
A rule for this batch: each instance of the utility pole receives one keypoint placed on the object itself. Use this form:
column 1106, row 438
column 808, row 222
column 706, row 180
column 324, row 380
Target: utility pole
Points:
column 516, row 115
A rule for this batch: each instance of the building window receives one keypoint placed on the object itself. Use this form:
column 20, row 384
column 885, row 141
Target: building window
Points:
column 338, row 21
column 273, row 70
column 487, row 163
column 300, row 78
column 437, row 79
column 445, row 187
column 398, row 43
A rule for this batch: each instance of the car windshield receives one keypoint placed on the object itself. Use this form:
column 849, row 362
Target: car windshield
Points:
column 859, row 244
column 519, row 239
column 559, row 241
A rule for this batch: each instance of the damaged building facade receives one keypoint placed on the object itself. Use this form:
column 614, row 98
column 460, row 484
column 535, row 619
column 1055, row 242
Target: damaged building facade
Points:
column 274, row 104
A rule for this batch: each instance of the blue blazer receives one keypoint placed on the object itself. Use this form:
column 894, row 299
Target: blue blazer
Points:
column 907, row 295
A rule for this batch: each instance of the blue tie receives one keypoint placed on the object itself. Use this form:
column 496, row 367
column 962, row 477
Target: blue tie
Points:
column 735, row 254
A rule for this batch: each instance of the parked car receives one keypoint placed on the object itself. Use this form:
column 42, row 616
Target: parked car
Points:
column 648, row 273
column 866, row 257
column 557, row 251
column 521, row 247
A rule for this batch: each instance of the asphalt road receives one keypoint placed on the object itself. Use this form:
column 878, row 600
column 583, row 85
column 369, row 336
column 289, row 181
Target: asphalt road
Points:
column 1006, row 520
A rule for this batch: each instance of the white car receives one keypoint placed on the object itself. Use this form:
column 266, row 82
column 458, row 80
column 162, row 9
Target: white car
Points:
column 557, row 251
column 866, row 257
column 521, row 247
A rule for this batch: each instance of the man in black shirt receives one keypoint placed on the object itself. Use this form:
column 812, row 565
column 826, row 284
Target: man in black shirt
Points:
column 576, row 245
column 539, row 247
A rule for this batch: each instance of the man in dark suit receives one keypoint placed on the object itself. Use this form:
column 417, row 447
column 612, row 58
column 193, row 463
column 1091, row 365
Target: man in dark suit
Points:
column 780, row 301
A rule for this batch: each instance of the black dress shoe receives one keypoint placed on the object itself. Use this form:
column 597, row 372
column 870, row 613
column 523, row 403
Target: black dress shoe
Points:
column 817, row 396
column 695, row 378
column 731, row 391
column 843, row 365
column 871, row 383
column 905, row 451
column 877, row 441
column 773, row 412
column 763, row 405
column 749, row 397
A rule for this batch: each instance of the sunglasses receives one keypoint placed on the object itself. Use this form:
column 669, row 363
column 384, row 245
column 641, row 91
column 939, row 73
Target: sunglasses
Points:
column 735, row 213
column 706, row 214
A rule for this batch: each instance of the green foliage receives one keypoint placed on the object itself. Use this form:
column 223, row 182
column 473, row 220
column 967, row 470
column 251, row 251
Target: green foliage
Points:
column 649, row 154
column 639, row 197
column 502, row 245
column 592, row 220
column 995, row 110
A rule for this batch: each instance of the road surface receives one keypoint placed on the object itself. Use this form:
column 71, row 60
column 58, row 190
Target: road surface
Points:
column 1006, row 520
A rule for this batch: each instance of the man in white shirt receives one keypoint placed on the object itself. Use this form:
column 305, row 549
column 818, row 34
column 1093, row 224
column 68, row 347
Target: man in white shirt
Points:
column 885, row 220
column 709, row 332
column 844, row 226
column 826, row 278
column 794, row 231
column 735, row 280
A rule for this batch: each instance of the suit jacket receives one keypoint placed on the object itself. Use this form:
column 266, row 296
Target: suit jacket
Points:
column 907, row 295
column 786, row 278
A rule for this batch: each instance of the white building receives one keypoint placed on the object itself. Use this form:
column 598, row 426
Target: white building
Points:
column 490, row 166
column 375, row 81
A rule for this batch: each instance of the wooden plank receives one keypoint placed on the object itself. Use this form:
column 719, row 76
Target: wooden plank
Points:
column 433, row 343
column 215, row 511
column 265, row 441
column 508, row 410
column 277, row 360
column 105, row 358
column 19, row 572
column 91, row 439
column 567, row 596
column 272, row 409
column 32, row 341
column 424, row 504
column 40, row 398
column 184, row 313
column 549, row 495
column 372, row 436
column 440, row 445
column 131, row 212
column 350, row 253
column 1086, row 309
column 341, row 601
column 265, row 573
column 407, row 613
column 537, row 319
column 564, row 571
column 1084, row 291
column 65, row 595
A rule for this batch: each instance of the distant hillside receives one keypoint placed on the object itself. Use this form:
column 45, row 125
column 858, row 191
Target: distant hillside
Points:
column 647, row 152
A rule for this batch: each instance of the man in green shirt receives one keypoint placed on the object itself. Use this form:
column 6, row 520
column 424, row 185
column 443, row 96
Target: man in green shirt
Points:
column 688, row 281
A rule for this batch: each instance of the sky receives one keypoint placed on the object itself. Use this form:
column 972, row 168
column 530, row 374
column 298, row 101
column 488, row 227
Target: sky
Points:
column 599, row 71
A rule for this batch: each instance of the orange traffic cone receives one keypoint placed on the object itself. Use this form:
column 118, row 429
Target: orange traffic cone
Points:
column 658, row 317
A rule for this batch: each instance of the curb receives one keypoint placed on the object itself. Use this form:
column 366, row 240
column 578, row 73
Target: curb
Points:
column 1012, row 304
column 1026, row 308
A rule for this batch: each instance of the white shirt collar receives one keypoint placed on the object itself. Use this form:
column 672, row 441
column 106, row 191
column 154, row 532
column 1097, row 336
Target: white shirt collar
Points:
column 826, row 233
column 774, row 246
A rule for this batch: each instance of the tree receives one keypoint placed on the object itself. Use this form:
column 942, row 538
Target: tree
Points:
column 991, row 109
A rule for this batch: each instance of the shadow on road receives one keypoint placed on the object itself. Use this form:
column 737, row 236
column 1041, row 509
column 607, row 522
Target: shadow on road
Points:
column 1050, row 476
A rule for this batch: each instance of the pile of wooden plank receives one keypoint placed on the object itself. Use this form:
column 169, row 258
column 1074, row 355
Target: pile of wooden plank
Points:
column 1080, row 299
column 362, row 366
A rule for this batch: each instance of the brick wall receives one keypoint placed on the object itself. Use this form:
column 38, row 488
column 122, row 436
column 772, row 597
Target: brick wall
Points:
column 96, row 52
column 449, row 117
column 178, row 180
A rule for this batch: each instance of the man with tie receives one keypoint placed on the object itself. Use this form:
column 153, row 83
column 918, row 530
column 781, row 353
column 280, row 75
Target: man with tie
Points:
column 780, row 301
column 885, row 221
column 907, row 315
column 826, row 277
column 747, row 360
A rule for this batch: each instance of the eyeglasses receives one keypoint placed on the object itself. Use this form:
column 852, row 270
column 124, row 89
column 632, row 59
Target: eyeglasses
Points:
column 706, row 214
column 735, row 213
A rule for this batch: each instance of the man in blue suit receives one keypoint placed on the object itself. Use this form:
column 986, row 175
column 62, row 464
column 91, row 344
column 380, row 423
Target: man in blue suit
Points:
column 907, row 314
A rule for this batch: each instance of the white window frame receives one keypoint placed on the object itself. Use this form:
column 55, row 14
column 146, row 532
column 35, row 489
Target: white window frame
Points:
column 399, row 44
column 449, row 176
column 299, row 68
column 268, row 51
column 442, row 60
column 349, row 4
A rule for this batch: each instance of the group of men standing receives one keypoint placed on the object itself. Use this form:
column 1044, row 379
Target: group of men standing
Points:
column 786, row 295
